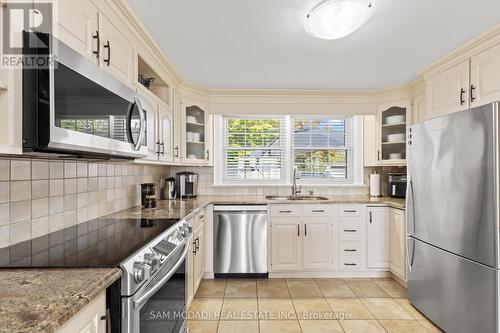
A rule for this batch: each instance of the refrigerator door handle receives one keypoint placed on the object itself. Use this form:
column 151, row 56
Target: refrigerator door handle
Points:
column 410, row 255
column 410, row 210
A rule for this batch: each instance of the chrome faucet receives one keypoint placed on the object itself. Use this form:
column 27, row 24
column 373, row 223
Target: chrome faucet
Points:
column 296, row 175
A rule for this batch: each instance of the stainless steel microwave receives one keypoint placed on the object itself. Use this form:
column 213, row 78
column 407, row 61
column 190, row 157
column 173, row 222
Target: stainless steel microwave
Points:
column 75, row 107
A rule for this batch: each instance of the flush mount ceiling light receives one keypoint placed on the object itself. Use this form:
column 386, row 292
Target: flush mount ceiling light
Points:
column 334, row 19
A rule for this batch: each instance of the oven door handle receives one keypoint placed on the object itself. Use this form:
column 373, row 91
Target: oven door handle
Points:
column 141, row 300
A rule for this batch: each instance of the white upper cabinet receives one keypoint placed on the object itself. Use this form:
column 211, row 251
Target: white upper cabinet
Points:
column 420, row 110
column 196, row 132
column 485, row 77
column 159, row 122
column 392, row 122
column 165, row 133
column 317, row 243
column 370, row 141
column 448, row 91
column 177, row 128
column 116, row 51
column 377, row 238
column 78, row 26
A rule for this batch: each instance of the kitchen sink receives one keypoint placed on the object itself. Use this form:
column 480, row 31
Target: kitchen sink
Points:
column 291, row 197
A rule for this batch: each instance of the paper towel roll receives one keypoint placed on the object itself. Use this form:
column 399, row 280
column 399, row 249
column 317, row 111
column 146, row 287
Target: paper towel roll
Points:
column 375, row 185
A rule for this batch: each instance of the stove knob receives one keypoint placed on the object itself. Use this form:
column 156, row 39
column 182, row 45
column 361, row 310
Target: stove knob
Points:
column 152, row 260
column 142, row 271
column 187, row 230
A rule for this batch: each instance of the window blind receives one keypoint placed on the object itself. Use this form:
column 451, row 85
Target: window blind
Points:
column 254, row 148
column 323, row 148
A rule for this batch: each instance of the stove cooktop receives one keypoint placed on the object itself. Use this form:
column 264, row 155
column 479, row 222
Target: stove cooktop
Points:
column 102, row 242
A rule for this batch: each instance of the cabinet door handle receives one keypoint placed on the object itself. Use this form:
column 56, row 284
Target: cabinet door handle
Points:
column 208, row 155
column 378, row 155
column 349, row 264
column 108, row 46
column 197, row 243
column 371, row 217
column 298, row 230
column 350, row 250
column 158, row 147
column 305, row 230
column 162, row 148
column 318, row 211
column 96, row 36
column 176, row 149
column 107, row 318
column 462, row 100
column 285, row 211
column 472, row 88
column 350, row 211
column 350, row 230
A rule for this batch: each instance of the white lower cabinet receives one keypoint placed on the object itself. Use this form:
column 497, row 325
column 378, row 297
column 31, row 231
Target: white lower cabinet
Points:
column 286, row 244
column 196, row 255
column 397, row 248
column 317, row 240
column 377, row 238
column 91, row 319
column 337, row 240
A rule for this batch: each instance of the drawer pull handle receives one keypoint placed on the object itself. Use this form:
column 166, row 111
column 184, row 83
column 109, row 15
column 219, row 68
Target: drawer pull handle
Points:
column 318, row 211
column 350, row 211
column 350, row 230
column 350, row 250
column 349, row 264
column 285, row 211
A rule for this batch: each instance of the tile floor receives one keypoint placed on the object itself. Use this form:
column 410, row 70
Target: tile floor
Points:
column 304, row 306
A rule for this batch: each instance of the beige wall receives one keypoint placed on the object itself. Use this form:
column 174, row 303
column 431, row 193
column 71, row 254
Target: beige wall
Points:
column 42, row 196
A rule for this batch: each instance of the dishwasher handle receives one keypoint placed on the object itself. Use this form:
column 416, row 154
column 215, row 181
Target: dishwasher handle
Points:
column 241, row 208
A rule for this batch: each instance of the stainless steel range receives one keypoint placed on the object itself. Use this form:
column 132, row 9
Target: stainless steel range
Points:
column 151, row 295
column 153, row 286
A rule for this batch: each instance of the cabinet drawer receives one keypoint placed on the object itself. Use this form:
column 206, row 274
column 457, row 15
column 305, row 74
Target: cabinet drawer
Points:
column 350, row 232
column 285, row 210
column 349, row 263
column 349, row 210
column 350, row 249
column 317, row 210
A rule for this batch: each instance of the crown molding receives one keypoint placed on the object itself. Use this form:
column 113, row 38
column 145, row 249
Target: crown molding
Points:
column 478, row 44
column 146, row 38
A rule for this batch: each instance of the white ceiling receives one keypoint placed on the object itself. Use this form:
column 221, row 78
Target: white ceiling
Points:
column 261, row 44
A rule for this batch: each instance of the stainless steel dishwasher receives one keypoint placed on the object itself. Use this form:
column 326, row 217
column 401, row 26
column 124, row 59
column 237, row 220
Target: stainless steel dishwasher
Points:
column 240, row 241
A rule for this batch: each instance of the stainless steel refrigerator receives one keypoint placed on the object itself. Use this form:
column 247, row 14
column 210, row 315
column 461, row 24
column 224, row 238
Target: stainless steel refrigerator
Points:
column 453, row 220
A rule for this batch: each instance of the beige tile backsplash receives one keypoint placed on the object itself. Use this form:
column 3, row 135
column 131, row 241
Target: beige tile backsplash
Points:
column 206, row 184
column 42, row 196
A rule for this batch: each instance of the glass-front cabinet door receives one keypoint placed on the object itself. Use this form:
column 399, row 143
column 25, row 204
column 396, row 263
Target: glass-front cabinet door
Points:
column 393, row 121
column 196, row 133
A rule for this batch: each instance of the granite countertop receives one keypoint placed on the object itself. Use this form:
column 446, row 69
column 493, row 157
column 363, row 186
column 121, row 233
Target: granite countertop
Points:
column 180, row 209
column 42, row 300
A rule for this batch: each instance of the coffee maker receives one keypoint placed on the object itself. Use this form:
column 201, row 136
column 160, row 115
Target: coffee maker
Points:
column 187, row 185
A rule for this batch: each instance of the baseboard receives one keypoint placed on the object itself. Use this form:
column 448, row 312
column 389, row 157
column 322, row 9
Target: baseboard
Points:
column 399, row 280
column 319, row 275
column 327, row 274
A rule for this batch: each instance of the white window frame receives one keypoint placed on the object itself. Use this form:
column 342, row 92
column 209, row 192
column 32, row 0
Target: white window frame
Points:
column 357, row 164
